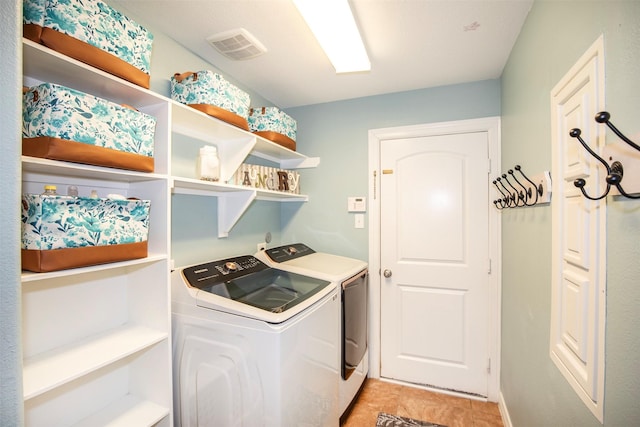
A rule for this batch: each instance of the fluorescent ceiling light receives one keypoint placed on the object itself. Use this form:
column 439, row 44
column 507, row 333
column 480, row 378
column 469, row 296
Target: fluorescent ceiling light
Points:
column 332, row 22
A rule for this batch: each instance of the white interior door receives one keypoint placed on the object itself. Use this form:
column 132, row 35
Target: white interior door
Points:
column 434, row 244
column 578, row 282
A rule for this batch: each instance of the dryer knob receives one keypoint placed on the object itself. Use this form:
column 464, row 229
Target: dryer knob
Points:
column 231, row 266
column 292, row 250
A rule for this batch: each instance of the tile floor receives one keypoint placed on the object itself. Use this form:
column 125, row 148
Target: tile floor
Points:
column 380, row 396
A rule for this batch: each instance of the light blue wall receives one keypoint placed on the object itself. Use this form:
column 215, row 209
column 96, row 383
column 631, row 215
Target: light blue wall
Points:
column 555, row 35
column 194, row 225
column 337, row 132
column 10, row 128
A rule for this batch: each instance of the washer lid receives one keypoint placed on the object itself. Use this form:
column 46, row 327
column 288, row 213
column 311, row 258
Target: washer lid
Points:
column 248, row 287
column 272, row 290
column 311, row 263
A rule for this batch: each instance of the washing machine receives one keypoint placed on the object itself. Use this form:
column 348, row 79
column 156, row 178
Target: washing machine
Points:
column 352, row 277
column 254, row 346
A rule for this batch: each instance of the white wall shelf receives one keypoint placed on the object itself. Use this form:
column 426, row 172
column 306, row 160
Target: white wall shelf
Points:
column 234, row 146
column 51, row 369
column 28, row 276
column 126, row 412
column 97, row 340
column 233, row 200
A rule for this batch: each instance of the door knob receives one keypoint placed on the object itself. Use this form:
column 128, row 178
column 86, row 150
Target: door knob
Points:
column 387, row 273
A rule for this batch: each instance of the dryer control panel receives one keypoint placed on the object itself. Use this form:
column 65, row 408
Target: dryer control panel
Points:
column 206, row 275
column 289, row 252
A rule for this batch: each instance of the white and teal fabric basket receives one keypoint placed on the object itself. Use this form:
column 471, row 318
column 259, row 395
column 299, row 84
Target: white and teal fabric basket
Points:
column 85, row 129
column 60, row 232
column 33, row 19
column 213, row 94
column 92, row 32
column 273, row 124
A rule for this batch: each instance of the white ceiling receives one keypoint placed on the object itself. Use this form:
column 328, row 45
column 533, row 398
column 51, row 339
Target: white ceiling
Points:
column 412, row 44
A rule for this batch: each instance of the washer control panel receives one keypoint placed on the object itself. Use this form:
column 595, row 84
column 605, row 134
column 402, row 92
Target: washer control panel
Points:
column 208, row 274
column 289, row 252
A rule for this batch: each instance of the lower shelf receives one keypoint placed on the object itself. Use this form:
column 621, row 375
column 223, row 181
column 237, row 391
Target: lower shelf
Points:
column 126, row 412
column 233, row 200
column 51, row 369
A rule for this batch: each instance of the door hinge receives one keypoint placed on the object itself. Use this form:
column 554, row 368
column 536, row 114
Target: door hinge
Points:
column 489, row 366
column 489, row 266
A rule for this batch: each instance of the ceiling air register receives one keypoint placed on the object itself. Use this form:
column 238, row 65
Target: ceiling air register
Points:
column 237, row 44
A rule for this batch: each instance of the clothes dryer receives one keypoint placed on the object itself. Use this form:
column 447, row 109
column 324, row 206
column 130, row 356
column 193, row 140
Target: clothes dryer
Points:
column 352, row 278
column 254, row 346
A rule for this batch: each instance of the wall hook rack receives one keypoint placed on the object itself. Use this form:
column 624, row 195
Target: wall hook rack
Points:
column 615, row 169
column 525, row 192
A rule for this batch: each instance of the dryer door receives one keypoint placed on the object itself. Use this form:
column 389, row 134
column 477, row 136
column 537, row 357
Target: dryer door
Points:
column 354, row 322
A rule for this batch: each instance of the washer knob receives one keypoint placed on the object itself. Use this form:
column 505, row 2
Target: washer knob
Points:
column 231, row 266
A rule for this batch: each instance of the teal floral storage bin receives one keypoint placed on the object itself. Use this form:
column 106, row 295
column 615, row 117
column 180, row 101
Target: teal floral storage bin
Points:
column 212, row 94
column 61, row 232
column 273, row 124
column 60, row 123
column 32, row 19
column 93, row 32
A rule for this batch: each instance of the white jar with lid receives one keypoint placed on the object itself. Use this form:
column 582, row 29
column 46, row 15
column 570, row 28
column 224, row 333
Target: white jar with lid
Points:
column 208, row 164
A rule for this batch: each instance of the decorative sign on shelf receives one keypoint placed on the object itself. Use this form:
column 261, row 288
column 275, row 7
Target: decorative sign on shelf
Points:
column 267, row 178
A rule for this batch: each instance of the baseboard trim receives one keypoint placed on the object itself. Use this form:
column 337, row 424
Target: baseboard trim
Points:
column 504, row 412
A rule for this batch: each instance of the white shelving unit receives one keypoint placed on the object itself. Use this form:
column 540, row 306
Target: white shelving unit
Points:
column 234, row 145
column 97, row 340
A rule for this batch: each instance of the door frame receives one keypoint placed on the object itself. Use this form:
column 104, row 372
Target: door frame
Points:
column 491, row 125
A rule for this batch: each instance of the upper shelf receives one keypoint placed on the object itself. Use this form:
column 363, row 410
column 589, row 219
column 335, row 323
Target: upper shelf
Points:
column 41, row 64
column 36, row 165
column 196, row 124
column 46, row 65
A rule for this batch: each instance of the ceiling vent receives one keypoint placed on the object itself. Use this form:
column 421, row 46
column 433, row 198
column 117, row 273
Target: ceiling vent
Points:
column 237, row 44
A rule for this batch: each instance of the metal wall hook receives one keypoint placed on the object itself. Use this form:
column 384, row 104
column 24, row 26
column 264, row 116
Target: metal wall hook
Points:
column 615, row 171
column 504, row 202
column 539, row 189
column 512, row 198
column 523, row 192
column 603, row 117
column 507, row 197
column 499, row 204
column 519, row 195
column 528, row 191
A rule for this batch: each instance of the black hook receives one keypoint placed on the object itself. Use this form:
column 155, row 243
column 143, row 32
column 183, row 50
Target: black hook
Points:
column 614, row 172
column 528, row 193
column 504, row 202
column 539, row 189
column 514, row 197
column 603, row 117
column 519, row 194
column 499, row 204
column 508, row 199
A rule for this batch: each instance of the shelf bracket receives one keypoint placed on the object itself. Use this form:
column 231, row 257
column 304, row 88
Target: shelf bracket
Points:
column 309, row 162
column 230, row 209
